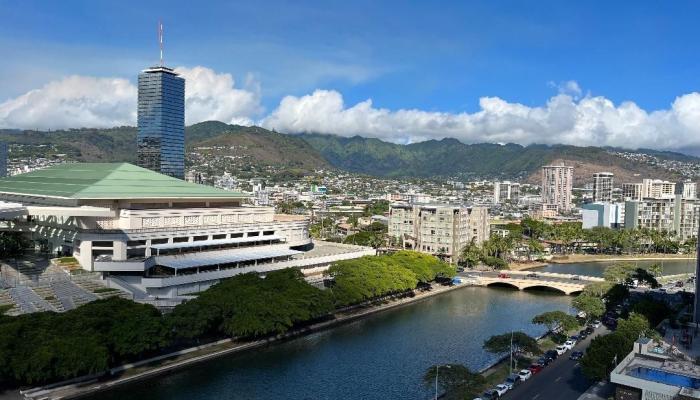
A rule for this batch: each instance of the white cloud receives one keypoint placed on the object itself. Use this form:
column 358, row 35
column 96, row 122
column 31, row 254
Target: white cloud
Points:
column 81, row 101
column 211, row 96
column 594, row 121
column 72, row 102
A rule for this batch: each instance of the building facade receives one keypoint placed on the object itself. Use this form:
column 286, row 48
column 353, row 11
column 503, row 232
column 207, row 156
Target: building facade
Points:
column 506, row 192
column 557, row 184
column 603, row 187
column 687, row 190
column 3, row 159
column 656, row 189
column 438, row 229
column 608, row 215
column 632, row 191
column 676, row 215
column 161, row 121
column 153, row 235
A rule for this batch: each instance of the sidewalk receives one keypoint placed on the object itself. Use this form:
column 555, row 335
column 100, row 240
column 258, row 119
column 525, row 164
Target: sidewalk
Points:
column 599, row 391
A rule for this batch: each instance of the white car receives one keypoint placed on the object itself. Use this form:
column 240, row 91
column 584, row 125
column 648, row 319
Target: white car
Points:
column 501, row 389
column 595, row 324
column 569, row 344
column 561, row 349
column 525, row 374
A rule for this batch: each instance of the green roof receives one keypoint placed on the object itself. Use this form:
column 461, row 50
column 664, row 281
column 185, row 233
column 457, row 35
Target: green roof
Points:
column 106, row 181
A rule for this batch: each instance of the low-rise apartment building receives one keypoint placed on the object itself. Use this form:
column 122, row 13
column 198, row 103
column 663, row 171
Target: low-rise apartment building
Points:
column 438, row 229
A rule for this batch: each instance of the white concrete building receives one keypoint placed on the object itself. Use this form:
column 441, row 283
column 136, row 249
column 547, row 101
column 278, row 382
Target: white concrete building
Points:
column 676, row 215
column 557, row 184
column 506, row 191
column 438, row 229
column 603, row 187
column 154, row 235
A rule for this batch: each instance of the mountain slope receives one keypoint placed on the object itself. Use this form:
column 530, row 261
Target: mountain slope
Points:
column 450, row 157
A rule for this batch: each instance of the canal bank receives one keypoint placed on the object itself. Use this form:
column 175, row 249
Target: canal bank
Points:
column 382, row 355
column 164, row 364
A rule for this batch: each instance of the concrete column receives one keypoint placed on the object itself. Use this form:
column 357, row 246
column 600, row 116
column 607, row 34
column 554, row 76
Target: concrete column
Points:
column 119, row 252
column 85, row 259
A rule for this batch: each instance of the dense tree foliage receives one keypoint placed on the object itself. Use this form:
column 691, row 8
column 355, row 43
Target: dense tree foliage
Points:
column 554, row 320
column 377, row 207
column 592, row 306
column 455, row 380
column 12, row 244
column 521, row 342
column 41, row 347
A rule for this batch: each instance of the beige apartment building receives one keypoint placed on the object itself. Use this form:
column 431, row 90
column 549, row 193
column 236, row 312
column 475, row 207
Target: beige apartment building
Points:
column 438, row 229
column 557, row 183
column 676, row 215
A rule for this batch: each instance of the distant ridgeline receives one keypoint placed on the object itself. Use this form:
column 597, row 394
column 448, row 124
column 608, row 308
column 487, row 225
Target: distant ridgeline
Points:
column 445, row 158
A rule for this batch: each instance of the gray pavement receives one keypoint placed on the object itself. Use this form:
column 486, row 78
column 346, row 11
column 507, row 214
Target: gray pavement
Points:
column 560, row 380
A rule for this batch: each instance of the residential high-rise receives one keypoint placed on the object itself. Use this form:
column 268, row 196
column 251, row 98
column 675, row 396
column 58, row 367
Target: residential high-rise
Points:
column 657, row 189
column 687, row 189
column 505, row 191
column 632, row 191
column 675, row 215
column 161, row 121
column 602, row 187
column 557, row 183
column 3, row 159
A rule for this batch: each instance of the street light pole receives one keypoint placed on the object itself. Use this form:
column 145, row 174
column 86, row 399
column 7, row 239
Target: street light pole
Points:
column 437, row 372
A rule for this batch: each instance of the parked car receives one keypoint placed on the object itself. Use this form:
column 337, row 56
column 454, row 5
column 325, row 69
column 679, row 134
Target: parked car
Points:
column 576, row 355
column 503, row 275
column 561, row 349
column 582, row 334
column 574, row 338
column 535, row 368
column 489, row 395
column 589, row 329
column 595, row 324
column 569, row 344
column 501, row 389
column 551, row 354
column 472, row 276
column 525, row 374
column 460, row 269
column 576, row 278
column 533, row 275
column 544, row 361
column 512, row 381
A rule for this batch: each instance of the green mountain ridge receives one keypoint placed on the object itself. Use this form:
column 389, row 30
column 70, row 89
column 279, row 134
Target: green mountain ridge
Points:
column 371, row 156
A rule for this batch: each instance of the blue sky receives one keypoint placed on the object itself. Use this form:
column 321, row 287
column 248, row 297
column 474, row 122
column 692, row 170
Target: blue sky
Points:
column 430, row 56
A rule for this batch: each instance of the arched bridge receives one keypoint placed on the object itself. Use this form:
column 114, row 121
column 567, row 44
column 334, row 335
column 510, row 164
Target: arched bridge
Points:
column 524, row 280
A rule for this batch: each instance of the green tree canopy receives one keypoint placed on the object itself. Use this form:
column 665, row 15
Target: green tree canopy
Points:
column 455, row 380
column 522, row 342
column 592, row 306
column 556, row 319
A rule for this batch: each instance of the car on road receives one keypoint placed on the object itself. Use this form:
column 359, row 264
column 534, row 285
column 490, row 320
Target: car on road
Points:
column 472, row 276
column 551, row 354
column 460, row 269
column 525, row 374
column 535, row 368
column 489, row 395
column 582, row 334
column 503, row 275
column 576, row 278
column 569, row 344
column 576, row 355
column 533, row 275
column 589, row 330
column 512, row 381
column 501, row 389
column 595, row 324
column 544, row 361
column 561, row 349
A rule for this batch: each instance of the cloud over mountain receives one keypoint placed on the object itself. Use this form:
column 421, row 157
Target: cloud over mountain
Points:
column 568, row 117
column 81, row 101
column 591, row 120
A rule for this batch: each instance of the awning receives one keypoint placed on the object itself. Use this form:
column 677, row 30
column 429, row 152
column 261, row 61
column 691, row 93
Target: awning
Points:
column 200, row 243
column 207, row 258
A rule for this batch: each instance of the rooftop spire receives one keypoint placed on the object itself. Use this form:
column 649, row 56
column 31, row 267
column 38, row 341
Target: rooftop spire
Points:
column 160, row 40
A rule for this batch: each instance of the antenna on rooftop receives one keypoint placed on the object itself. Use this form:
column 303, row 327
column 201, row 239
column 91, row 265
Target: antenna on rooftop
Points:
column 160, row 40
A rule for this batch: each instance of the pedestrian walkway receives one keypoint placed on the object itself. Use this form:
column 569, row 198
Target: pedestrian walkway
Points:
column 599, row 391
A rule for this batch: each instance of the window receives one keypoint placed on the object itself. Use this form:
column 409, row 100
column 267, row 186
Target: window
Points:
column 101, row 243
column 250, row 234
column 136, row 243
column 159, row 241
column 236, row 235
column 268, row 233
column 200, row 238
column 219, row 237
column 182, row 239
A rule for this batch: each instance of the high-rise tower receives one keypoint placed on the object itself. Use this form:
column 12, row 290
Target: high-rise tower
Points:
column 161, row 120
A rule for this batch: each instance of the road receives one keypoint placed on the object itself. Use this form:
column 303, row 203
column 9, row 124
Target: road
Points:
column 560, row 380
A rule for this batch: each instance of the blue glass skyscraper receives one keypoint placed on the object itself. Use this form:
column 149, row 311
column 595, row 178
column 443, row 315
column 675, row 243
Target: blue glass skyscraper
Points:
column 161, row 121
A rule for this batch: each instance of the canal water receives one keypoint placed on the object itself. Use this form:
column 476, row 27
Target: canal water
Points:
column 670, row 267
column 381, row 357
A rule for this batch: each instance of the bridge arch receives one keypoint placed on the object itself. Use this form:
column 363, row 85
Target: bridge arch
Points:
column 503, row 284
column 546, row 288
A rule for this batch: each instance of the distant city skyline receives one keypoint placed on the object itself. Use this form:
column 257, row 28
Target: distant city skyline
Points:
column 586, row 74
